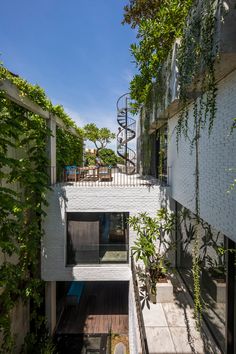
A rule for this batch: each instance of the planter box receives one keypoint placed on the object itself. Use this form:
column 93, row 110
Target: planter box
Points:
column 217, row 290
column 164, row 293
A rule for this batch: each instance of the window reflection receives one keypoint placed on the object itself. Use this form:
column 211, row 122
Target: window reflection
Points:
column 213, row 269
column 97, row 238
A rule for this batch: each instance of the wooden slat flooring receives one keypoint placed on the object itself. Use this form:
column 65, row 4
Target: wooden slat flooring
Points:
column 103, row 308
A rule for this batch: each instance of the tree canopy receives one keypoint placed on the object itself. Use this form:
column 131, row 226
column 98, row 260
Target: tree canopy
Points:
column 99, row 136
column 108, row 157
column 137, row 10
column 158, row 24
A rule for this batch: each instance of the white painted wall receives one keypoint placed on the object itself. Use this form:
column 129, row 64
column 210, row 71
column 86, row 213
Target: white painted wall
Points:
column 217, row 157
column 134, row 336
column 91, row 199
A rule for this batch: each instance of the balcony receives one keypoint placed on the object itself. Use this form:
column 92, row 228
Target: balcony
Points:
column 104, row 177
column 165, row 92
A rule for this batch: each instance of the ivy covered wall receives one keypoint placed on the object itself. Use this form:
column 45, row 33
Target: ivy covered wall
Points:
column 24, row 181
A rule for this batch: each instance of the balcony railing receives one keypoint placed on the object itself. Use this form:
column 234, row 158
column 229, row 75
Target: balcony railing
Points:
column 103, row 177
column 97, row 254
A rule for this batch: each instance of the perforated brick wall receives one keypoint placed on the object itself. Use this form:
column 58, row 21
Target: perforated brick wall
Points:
column 216, row 157
column 94, row 199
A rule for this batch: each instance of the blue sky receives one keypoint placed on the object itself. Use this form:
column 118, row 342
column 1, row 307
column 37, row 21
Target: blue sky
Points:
column 76, row 50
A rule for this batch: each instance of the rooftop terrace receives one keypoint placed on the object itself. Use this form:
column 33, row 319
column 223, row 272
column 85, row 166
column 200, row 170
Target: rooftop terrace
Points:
column 106, row 177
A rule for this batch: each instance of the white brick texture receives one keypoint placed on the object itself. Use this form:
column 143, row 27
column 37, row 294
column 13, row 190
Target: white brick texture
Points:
column 216, row 157
column 92, row 199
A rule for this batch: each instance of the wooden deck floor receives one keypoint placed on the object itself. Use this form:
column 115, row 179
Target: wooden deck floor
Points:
column 103, row 307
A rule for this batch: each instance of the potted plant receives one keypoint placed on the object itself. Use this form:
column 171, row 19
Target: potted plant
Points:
column 152, row 246
column 214, row 276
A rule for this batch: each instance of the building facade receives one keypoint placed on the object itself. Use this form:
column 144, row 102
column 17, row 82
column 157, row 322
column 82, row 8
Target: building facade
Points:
column 200, row 181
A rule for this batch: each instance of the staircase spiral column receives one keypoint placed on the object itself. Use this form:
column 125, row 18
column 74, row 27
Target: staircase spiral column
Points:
column 126, row 133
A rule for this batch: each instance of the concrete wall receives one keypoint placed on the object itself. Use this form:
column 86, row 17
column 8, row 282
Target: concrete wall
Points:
column 20, row 319
column 217, row 156
column 78, row 199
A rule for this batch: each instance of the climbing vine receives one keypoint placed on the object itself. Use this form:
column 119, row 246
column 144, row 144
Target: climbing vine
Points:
column 196, row 59
column 232, row 169
column 159, row 24
column 69, row 146
column 69, row 150
column 196, row 62
column 24, row 183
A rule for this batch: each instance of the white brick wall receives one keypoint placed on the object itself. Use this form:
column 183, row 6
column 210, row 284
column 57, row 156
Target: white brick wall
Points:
column 217, row 156
column 80, row 199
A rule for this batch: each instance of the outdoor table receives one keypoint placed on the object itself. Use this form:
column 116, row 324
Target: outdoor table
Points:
column 89, row 172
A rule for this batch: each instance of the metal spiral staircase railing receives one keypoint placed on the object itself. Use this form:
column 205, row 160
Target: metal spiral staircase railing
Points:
column 126, row 133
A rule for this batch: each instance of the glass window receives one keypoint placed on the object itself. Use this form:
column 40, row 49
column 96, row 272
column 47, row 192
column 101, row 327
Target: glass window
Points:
column 213, row 269
column 97, row 238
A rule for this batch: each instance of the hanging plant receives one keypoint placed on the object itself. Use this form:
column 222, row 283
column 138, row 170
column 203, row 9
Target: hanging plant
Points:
column 21, row 210
column 196, row 60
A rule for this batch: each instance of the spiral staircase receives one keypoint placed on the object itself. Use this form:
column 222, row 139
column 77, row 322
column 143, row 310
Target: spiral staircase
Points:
column 126, row 133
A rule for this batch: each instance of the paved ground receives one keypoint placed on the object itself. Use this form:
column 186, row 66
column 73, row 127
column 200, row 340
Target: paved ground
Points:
column 170, row 327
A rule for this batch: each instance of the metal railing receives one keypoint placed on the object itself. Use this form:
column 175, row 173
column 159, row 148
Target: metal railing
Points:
column 126, row 133
column 142, row 331
column 92, row 177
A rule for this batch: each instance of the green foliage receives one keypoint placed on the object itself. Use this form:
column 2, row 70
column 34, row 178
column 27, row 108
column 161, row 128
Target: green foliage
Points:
column 158, row 26
column 138, row 10
column 145, row 142
column 22, row 194
column 153, row 242
column 195, row 23
column 37, row 95
column 196, row 63
column 24, row 183
column 120, row 160
column 99, row 136
column 108, row 157
column 196, row 271
column 233, row 169
column 69, row 149
column 39, row 342
column 90, row 159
